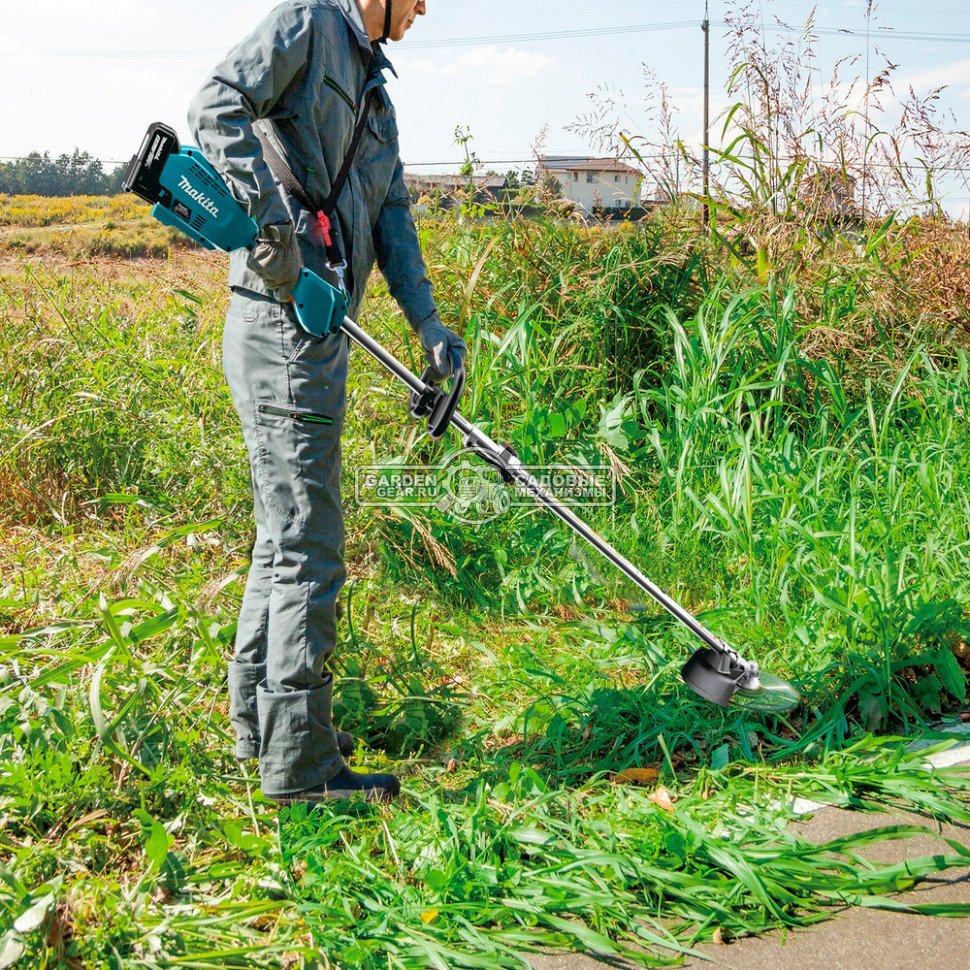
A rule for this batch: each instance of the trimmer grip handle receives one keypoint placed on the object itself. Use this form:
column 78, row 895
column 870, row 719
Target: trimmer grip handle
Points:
column 444, row 409
column 435, row 404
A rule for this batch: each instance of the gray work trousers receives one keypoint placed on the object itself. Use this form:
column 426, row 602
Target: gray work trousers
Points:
column 289, row 390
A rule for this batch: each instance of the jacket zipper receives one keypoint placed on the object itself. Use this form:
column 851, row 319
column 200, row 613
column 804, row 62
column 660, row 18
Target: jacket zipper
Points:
column 331, row 83
column 295, row 415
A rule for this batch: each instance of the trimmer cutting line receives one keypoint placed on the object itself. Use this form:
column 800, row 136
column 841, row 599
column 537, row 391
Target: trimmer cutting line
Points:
column 189, row 194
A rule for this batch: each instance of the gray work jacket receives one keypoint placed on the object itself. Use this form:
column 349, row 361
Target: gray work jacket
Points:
column 305, row 69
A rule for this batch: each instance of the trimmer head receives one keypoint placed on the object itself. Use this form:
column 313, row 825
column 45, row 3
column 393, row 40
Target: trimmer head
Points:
column 727, row 679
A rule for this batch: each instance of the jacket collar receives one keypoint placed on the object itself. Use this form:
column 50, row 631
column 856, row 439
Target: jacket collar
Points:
column 370, row 49
column 381, row 62
column 351, row 13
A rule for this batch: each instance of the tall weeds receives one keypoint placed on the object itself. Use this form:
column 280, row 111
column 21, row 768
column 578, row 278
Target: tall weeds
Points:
column 792, row 448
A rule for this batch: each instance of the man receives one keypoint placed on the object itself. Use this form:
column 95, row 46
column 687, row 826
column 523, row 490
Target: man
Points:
column 299, row 88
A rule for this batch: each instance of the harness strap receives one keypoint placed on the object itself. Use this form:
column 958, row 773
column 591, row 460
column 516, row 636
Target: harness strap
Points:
column 284, row 175
column 388, row 4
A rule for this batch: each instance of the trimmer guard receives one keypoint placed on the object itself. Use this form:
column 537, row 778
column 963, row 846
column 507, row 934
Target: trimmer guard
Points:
column 726, row 679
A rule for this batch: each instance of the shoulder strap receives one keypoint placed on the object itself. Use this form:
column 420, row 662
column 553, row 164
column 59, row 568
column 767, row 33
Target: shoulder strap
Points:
column 337, row 185
column 284, row 175
column 281, row 171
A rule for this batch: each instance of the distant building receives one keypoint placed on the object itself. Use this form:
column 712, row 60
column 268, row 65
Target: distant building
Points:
column 488, row 188
column 593, row 183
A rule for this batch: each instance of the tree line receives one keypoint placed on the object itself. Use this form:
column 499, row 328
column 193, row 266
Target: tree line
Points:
column 75, row 174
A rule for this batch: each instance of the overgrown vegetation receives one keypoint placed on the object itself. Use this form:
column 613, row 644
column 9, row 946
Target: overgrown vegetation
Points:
column 792, row 464
column 784, row 401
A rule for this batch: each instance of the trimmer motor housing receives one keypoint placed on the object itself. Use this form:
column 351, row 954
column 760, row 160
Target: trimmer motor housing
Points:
column 187, row 192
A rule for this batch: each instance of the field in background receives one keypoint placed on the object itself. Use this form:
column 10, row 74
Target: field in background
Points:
column 787, row 407
column 83, row 226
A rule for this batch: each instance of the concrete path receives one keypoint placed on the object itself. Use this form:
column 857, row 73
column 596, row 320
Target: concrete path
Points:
column 857, row 939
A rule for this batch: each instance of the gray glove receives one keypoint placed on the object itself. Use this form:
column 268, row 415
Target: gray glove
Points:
column 442, row 347
column 276, row 259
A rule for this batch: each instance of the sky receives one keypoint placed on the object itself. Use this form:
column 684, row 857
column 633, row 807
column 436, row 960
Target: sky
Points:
column 93, row 74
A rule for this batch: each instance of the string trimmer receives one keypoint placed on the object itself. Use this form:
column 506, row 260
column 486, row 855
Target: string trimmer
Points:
column 189, row 194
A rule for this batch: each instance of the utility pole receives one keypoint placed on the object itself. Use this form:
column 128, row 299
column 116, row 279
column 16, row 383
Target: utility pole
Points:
column 706, row 27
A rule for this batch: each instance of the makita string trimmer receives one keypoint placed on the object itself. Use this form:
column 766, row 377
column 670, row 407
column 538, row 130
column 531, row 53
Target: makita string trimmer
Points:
column 189, row 194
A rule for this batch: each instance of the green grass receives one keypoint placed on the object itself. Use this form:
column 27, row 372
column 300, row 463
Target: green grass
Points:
column 805, row 494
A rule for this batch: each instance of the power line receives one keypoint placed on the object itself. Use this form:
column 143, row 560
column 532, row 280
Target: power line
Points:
column 879, row 33
column 884, row 33
column 25, row 158
column 459, row 162
column 478, row 40
column 582, row 32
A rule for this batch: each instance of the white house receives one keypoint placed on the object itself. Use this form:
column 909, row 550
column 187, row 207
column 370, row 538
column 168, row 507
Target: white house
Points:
column 594, row 182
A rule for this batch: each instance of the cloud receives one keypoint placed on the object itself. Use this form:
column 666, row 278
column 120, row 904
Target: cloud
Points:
column 488, row 64
column 954, row 75
column 92, row 11
column 11, row 47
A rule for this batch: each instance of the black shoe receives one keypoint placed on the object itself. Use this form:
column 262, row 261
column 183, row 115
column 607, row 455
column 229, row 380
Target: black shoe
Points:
column 346, row 784
column 346, row 745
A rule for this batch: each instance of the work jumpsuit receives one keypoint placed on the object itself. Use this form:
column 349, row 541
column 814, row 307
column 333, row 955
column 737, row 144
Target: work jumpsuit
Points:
column 305, row 69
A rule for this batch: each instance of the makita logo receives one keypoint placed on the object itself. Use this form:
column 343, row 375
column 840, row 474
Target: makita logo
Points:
column 186, row 186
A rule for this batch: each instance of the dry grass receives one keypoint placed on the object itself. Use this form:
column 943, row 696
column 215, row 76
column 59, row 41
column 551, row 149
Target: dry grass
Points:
column 32, row 211
column 936, row 271
column 82, row 226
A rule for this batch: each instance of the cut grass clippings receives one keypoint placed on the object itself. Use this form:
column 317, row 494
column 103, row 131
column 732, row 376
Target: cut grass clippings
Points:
column 474, row 879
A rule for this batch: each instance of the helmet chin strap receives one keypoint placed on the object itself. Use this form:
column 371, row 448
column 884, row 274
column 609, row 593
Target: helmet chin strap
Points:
column 388, row 5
